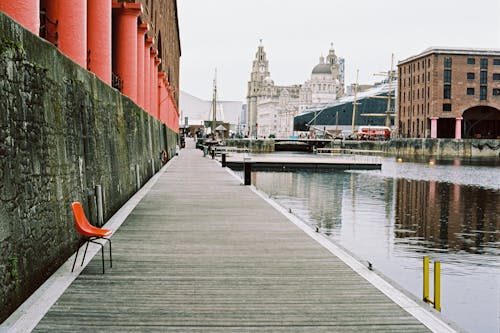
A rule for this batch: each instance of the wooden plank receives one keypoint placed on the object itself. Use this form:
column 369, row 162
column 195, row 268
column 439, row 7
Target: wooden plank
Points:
column 201, row 253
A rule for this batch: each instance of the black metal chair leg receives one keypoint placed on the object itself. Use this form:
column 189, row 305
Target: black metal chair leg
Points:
column 110, row 255
column 102, row 251
column 76, row 256
column 85, row 253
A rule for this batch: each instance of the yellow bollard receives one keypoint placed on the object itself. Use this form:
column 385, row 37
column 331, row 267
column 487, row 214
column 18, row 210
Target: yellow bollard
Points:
column 426, row 279
column 437, row 286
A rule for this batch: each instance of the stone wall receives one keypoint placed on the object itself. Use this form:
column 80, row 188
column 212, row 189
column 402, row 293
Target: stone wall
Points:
column 444, row 147
column 62, row 131
column 431, row 147
column 254, row 146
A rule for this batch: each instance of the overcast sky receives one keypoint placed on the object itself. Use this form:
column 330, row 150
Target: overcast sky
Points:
column 224, row 34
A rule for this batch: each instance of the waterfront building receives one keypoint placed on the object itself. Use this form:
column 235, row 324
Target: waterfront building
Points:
column 336, row 117
column 271, row 108
column 132, row 46
column 450, row 93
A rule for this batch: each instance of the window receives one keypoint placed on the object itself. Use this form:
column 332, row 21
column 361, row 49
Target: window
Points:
column 471, row 61
column 447, row 62
column 447, row 75
column 470, row 76
column 496, row 92
column 496, row 62
column 447, row 107
column 447, row 91
column 470, row 91
column 428, row 62
column 483, row 77
column 482, row 93
column 496, row 76
column 484, row 63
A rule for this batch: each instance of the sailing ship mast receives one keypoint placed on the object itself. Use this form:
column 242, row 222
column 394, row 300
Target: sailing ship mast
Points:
column 389, row 97
column 354, row 101
column 214, row 105
column 390, row 77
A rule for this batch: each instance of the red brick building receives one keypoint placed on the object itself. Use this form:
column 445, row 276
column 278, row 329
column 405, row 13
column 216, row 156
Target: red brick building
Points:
column 450, row 93
column 133, row 46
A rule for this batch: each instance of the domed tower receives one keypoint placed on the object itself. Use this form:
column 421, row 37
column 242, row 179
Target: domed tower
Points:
column 337, row 67
column 258, row 78
column 323, row 84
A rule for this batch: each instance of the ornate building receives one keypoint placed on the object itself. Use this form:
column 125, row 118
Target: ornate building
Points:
column 272, row 108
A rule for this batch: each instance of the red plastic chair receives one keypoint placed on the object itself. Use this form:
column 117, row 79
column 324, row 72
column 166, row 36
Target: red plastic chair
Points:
column 89, row 234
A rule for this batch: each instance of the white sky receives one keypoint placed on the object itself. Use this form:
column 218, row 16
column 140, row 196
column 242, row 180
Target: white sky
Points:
column 224, row 34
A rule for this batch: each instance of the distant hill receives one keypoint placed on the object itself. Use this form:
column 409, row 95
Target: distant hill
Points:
column 197, row 110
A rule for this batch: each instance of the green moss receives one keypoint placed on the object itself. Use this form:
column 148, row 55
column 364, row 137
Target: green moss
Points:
column 13, row 267
column 7, row 44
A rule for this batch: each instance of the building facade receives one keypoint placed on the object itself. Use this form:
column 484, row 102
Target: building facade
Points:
column 271, row 108
column 133, row 46
column 449, row 93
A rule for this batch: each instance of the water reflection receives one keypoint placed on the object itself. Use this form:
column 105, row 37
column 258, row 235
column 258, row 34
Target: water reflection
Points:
column 395, row 216
column 447, row 216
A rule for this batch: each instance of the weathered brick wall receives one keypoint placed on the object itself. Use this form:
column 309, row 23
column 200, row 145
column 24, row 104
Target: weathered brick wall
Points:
column 62, row 131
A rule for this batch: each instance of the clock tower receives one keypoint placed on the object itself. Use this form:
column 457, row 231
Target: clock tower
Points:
column 260, row 71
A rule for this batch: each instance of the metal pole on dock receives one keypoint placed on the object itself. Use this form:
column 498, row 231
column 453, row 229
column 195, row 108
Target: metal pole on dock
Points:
column 138, row 177
column 437, row 286
column 426, row 279
column 248, row 172
column 98, row 198
column 223, row 160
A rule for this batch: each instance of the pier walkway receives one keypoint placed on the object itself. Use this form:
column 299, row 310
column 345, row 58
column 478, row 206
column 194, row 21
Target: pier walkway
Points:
column 202, row 253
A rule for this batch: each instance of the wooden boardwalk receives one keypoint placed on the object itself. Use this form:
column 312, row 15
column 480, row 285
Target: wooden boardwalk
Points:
column 201, row 253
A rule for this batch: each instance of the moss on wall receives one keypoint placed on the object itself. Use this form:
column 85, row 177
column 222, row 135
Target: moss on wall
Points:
column 62, row 131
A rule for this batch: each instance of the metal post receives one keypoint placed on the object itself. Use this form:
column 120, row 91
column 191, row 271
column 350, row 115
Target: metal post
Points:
column 213, row 153
column 223, row 160
column 248, row 173
column 98, row 198
column 205, row 151
column 137, row 177
column 437, row 286
column 426, row 279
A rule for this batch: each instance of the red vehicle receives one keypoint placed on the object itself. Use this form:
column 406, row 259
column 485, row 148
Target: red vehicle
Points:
column 374, row 133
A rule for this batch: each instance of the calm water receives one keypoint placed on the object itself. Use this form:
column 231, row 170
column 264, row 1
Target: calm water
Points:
column 449, row 210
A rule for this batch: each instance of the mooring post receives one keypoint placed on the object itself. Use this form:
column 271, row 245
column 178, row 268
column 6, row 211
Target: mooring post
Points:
column 248, row 171
column 437, row 286
column 213, row 153
column 98, row 198
column 137, row 177
column 223, row 160
column 426, row 279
